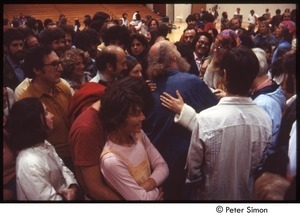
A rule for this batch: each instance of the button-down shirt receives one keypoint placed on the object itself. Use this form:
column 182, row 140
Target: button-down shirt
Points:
column 226, row 147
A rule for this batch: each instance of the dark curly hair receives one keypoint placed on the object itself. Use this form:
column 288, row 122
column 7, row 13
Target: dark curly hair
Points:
column 122, row 98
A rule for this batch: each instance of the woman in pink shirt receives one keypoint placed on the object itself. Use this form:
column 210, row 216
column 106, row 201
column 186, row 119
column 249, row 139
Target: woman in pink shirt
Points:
column 129, row 162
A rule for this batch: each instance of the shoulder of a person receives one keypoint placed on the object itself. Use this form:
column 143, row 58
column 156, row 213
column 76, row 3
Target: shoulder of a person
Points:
column 64, row 86
column 29, row 158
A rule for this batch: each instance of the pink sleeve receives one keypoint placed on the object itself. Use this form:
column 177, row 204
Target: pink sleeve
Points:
column 118, row 176
column 159, row 167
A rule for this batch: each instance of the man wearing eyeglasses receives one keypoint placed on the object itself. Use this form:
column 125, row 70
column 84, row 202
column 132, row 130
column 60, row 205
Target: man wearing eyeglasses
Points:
column 43, row 65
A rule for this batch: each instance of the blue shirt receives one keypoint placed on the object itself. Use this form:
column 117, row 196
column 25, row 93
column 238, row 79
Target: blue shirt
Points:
column 171, row 139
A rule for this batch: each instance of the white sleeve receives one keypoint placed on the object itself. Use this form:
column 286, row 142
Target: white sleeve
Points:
column 187, row 117
column 32, row 182
column 292, row 152
column 67, row 174
column 194, row 158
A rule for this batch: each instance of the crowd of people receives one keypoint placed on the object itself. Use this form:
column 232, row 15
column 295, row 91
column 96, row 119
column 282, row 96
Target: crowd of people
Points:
column 114, row 110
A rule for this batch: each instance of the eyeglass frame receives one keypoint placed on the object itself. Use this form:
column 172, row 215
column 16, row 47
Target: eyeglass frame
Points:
column 55, row 64
column 201, row 43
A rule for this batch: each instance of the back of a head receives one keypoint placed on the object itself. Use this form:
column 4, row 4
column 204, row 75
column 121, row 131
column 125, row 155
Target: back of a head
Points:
column 262, row 59
column 49, row 35
column 162, row 56
column 166, row 50
column 163, row 30
column 116, row 33
column 100, row 16
column 241, row 66
column 190, row 18
column 31, row 23
column 98, row 20
column 69, row 29
column 229, row 39
column 86, row 38
column 289, row 66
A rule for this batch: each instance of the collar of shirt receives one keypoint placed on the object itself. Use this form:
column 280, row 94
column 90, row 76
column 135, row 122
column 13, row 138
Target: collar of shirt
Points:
column 17, row 69
column 197, row 61
column 238, row 100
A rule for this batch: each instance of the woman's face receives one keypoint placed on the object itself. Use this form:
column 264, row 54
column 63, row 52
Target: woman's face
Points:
column 49, row 118
column 133, row 123
column 137, row 47
column 136, row 71
column 278, row 31
column 153, row 25
column 79, row 66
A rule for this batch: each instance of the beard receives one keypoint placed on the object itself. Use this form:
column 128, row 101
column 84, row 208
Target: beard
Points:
column 155, row 70
column 17, row 57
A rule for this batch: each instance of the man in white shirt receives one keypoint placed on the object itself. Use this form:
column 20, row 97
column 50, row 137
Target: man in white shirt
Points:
column 253, row 17
column 229, row 138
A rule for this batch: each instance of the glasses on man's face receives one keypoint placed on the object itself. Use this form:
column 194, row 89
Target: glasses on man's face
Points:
column 201, row 43
column 54, row 64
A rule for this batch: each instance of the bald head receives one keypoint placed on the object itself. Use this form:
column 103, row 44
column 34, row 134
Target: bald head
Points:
column 164, row 55
column 111, row 62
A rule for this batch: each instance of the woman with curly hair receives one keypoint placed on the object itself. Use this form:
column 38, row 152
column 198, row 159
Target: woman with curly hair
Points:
column 74, row 62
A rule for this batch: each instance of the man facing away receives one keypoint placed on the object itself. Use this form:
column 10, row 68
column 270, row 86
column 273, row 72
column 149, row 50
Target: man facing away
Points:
column 169, row 71
column 229, row 138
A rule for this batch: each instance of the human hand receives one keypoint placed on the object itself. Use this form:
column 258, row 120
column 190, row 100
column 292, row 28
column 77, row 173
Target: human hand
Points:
column 151, row 84
column 160, row 194
column 172, row 103
column 270, row 186
column 71, row 193
column 149, row 184
column 219, row 93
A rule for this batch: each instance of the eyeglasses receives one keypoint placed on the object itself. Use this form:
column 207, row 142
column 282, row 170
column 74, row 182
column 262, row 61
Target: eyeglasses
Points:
column 201, row 43
column 55, row 64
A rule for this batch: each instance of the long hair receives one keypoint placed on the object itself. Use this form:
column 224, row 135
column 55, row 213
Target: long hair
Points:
column 26, row 124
